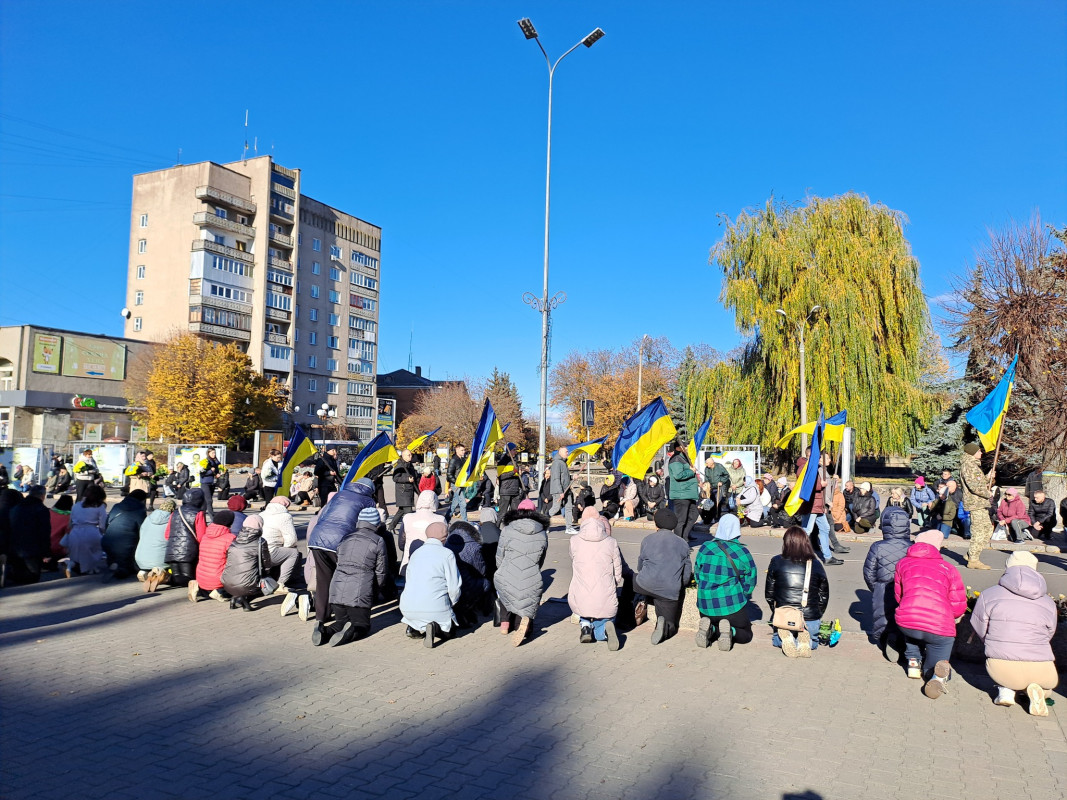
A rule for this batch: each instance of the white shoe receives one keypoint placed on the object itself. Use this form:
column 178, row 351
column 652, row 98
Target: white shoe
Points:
column 1038, row 708
column 1005, row 696
column 303, row 603
column 141, row 575
column 215, row 594
column 289, row 604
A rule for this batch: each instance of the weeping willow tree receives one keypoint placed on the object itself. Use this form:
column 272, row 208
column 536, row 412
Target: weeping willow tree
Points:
column 865, row 343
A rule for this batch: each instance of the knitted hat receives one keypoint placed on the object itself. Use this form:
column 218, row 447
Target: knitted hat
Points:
column 237, row 503
column 1021, row 558
column 437, row 530
column 282, row 500
column 1011, row 491
column 253, row 522
column 527, row 505
column 666, row 519
column 366, row 482
column 970, row 449
column 168, row 506
column 729, row 528
column 224, row 518
column 370, row 514
column 932, row 538
column 920, row 481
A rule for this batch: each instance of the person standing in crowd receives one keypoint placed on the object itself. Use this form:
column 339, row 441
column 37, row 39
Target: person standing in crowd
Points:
column 60, row 517
column 211, row 562
column 457, row 501
column 141, row 479
column 879, row 569
column 813, row 510
column 544, row 493
column 684, row 491
column 361, row 569
column 797, row 579
column 327, row 473
column 415, row 525
column 88, row 521
column 596, row 577
column 464, row 540
column 30, row 542
column 338, row 516
column 405, row 479
column 930, row 598
column 519, row 558
column 269, row 474
column 923, row 500
column 247, row 561
column 717, row 478
column 123, row 531
column 85, row 473
column 429, row 482
column 736, row 471
column 431, row 590
column 209, row 471
column 976, row 496
column 280, row 535
column 726, row 577
column 184, row 532
column 153, row 481
column 1012, row 514
column 559, row 487
column 5, row 479
column 663, row 572
column 509, row 484
column 151, row 552
column 1016, row 620
column 1042, row 512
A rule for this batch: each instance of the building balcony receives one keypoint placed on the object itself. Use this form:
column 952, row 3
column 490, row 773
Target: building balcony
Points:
column 281, row 238
column 277, row 359
column 207, row 329
column 277, row 213
column 223, row 250
column 278, row 314
column 276, row 338
column 205, row 219
column 210, row 193
column 289, row 173
column 284, row 191
column 279, row 263
column 362, row 312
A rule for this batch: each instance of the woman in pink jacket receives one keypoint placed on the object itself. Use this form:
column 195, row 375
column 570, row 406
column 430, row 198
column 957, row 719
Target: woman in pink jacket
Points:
column 930, row 598
column 595, row 577
column 1016, row 620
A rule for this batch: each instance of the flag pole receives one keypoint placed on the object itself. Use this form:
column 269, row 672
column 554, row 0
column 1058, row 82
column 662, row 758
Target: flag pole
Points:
column 1000, row 431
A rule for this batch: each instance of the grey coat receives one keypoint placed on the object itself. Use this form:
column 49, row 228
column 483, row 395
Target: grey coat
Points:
column 559, row 479
column 519, row 557
column 245, row 556
column 360, row 562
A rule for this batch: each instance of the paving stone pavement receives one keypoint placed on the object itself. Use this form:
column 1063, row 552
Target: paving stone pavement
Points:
column 108, row 692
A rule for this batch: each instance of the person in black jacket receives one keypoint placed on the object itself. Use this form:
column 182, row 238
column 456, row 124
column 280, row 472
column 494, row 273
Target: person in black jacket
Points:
column 864, row 508
column 361, row 569
column 30, row 541
column 544, row 493
column 509, row 483
column 123, row 532
column 326, row 473
column 1042, row 512
column 609, row 497
column 654, row 496
column 785, row 587
column 458, row 501
column 405, row 482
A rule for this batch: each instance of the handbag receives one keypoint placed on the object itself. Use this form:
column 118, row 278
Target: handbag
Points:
column 791, row 618
column 267, row 584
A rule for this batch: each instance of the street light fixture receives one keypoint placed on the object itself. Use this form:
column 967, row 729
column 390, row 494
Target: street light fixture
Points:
column 324, row 412
column 544, row 304
column 803, row 371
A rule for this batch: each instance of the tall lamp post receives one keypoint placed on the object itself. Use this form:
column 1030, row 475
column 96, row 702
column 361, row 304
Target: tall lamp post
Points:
column 324, row 412
column 640, row 367
column 803, row 371
column 544, row 304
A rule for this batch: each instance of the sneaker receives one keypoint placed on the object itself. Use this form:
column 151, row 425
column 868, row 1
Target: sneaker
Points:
column 282, row 589
column 977, row 565
column 433, row 635
column 804, row 644
column 613, row 637
column 570, row 531
column 703, row 632
column 842, row 549
column 319, row 636
column 935, row 687
column 586, row 636
column 726, row 635
column 1005, row 696
column 194, row 590
column 141, row 575
column 523, row 629
column 303, row 607
column 659, row 634
column 834, row 562
column 640, row 612
column 215, row 594
column 575, row 619
column 1038, row 707
column 789, row 644
column 915, row 670
column 289, row 604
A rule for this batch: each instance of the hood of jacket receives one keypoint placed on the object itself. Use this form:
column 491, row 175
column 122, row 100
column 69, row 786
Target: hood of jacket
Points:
column 193, row 497
column 248, row 535
column 1024, row 581
column 214, row 530
column 924, row 550
column 159, row 517
column 523, row 520
column 594, row 529
column 427, row 500
column 274, row 510
column 465, row 530
column 896, row 524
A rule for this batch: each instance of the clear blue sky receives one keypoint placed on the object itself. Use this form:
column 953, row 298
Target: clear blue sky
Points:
column 429, row 120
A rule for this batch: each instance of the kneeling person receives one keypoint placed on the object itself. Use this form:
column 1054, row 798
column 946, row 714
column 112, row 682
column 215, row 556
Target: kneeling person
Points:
column 663, row 571
column 361, row 563
column 726, row 577
column 432, row 588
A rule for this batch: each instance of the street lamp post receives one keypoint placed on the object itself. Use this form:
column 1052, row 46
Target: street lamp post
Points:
column 324, row 412
column 544, row 304
column 640, row 367
column 803, row 372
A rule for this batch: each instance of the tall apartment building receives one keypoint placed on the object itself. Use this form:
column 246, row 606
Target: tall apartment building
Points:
column 235, row 253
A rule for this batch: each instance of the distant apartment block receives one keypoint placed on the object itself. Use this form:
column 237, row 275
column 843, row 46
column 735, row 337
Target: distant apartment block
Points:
column 235, row 253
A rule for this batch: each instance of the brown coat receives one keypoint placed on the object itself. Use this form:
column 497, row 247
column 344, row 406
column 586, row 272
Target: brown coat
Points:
column 837, row 512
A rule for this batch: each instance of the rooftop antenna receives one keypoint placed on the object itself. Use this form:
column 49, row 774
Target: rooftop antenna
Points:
column 179, row 161
column 244, row 155
column 411, row 352
column 255, row 146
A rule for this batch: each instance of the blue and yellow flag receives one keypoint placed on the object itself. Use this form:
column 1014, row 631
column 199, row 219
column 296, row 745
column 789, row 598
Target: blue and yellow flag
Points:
column 487, row 434
column 419, row 441
column 804, row 488
column 988, row 416
column 589, row 447
column 698, row 441
column 299, row 450
column 642, row 435
column 834, row 431
column 379, row 450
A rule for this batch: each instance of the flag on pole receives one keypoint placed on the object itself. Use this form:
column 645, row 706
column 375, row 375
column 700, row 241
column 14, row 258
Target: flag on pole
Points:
column 487, row 434
column 696, row 443
column 419, row 441
column 642, row 435
column 988, row 416
column 833, row 432
column 379, row 450
column 804, row 488
column 299, row 450
column 574, row 450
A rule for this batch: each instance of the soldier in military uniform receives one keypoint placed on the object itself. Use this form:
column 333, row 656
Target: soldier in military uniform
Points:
column 976, row 495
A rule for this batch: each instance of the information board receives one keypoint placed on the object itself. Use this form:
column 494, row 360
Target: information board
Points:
column 93, row 358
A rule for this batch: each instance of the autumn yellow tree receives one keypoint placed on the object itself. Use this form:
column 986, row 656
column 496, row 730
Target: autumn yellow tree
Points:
column 450, row 408
column 194, row 390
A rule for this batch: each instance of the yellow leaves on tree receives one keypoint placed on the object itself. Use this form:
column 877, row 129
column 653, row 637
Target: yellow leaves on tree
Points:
column 194, row 390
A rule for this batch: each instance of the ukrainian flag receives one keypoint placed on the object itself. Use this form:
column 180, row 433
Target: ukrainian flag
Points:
column 487, row 434
column 589, row 447
column 698, row 441
column 988, row 416
column 419, row 441
column 299, row 450
column 379, row 450
column 642, row 435
column 804, row 489
column 833, row 432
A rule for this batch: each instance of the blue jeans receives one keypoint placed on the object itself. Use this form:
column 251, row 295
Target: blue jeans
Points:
column 938, row 648
column 813, row 520
column 597, row 625
column 945, row 529
column 459, row 503
column 813, row 629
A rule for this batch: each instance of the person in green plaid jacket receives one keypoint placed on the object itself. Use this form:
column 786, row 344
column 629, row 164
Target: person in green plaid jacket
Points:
column 723, row 588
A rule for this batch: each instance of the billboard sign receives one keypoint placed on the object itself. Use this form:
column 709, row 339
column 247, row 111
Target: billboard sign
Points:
column 386, row 411
column 46, row 351
column 93, row 358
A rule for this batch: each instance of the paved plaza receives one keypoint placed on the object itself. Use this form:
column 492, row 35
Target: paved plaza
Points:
column 109, row 692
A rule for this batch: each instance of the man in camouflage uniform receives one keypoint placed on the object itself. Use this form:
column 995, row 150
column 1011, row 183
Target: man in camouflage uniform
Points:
column 976, row 494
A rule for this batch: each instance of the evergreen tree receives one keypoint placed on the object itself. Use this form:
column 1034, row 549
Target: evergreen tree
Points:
column 677, row 401
column 940, row 446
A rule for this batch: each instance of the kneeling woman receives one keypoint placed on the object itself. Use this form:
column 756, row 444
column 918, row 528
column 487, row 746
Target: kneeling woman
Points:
column 519, row 557
column 595, row 578
column 796, row 579
column 726, row 576
column 247, row 561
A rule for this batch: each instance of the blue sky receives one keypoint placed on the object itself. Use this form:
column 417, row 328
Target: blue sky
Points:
column 429, row 120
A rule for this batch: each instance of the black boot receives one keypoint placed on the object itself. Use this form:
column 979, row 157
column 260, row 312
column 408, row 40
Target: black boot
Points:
column 499, row 613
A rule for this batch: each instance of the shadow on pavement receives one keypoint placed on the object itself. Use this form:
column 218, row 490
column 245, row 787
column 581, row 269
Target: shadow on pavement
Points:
column 861, row 610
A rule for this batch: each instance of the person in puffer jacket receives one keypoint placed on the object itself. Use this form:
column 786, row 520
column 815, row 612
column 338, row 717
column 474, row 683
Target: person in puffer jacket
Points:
column 930, row 597
column 151, row 553
column 184, row 532
column 879, row 569
column 1016, row 620
column 213, row 547
column 123, row 530
column 247, row 561
column 361, row 568
column 596, row 564
column 465, row 543
column 519, row 558
column 785, row 587
column 280, row 535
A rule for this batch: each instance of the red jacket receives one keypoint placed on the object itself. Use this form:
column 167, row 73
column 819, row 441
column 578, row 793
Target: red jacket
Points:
column 1010, row 509
column 213, row 546
column 929, row 591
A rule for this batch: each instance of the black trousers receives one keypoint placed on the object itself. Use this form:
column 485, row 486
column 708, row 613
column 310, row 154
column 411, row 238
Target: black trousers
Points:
column 357, row 615
column 182, row 572
column 399, row 515
column 686, row 511
column 739, row 621
column 671, row 610
column 508, row 503
column 325, row 566
column 268, row 493
column 79, row 490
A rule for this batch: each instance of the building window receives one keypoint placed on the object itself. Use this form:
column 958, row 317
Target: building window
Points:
column 356, row 410
column 335, row 251
column 280, row 353
column 282, row 302
column 138, row 298
column 335, row 274
column 315, row 292
column 142, row 245
column 220, row 213
column 316, row 245
column 331, row 342
column 229, row 265
column 331, row 364
column 361, row 324
column 360, row 388
column 140, row 272
column 144, row 220
column 313, row 362
column 296, row 334
column 335, row 297
column 316, row 268
column 137, row 323
column 335, row 319
column 229, row 293
column 313, row 338
column 331, row 387
column 313, row 314
column 313, row 385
